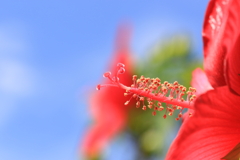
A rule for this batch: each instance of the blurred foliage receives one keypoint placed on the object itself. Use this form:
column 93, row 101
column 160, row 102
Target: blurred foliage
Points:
column 170, row 60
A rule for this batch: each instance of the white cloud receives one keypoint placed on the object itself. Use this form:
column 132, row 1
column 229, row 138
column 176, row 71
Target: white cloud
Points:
column 17, row 78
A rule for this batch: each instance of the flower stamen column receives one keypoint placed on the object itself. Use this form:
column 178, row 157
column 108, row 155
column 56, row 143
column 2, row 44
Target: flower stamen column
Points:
column 154, row 92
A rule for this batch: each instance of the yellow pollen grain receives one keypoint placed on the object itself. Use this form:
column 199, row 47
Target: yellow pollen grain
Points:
column 150, row 106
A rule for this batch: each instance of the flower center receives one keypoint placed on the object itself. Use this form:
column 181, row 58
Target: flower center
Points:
column 153, row 92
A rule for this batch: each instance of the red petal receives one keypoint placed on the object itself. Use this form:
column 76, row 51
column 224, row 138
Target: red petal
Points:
column 214, row 48
column 221, row 37
column 213, row 130
column 233, row 66
column 200, row 81
column 201, row 84
column 111, row 122
column 233, row 51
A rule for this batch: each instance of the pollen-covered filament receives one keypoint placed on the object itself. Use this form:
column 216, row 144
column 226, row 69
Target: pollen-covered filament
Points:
column 155, row 93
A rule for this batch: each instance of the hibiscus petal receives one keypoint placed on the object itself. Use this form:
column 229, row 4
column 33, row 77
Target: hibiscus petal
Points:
column 231, row 42
column 233, row 69
column 202, row 85
column 200, row 82
column 214, row 49
column 220, row 32
column 111, row 122
column 212, row 131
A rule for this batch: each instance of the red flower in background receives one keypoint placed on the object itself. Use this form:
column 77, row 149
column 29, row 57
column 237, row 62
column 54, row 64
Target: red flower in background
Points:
column 107, row 107
column 214, row 129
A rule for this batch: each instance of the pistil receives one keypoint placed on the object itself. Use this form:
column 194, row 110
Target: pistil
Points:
column 154, row 92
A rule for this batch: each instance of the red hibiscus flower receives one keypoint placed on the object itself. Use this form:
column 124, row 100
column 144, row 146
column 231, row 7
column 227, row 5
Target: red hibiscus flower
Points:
column 213, row 132
column 214, row 129
column 107, row 107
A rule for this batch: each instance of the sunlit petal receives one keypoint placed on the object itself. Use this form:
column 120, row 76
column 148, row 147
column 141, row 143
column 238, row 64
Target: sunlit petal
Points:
column 212, row 131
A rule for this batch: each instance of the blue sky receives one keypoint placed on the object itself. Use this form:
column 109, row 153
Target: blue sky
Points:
column 52, row 53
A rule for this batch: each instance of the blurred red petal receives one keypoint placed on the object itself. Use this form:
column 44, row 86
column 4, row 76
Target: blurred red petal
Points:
column 108, row 124
column 107, row 106
column 213, row 130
